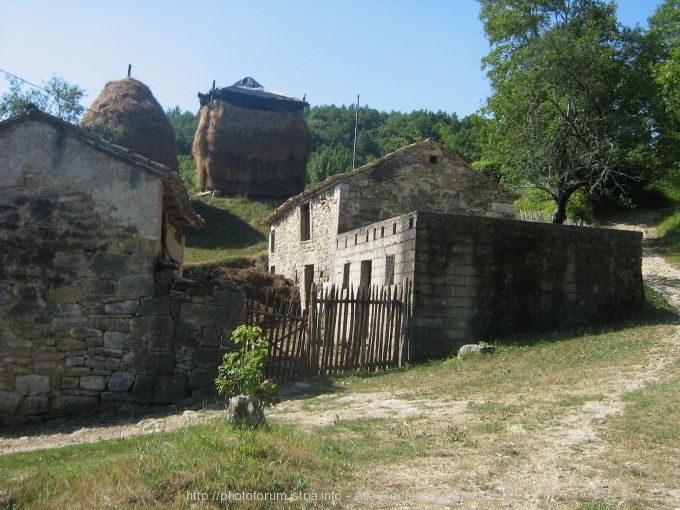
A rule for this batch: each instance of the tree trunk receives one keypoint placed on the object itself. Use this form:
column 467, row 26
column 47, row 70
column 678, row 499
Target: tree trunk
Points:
column 561, row 208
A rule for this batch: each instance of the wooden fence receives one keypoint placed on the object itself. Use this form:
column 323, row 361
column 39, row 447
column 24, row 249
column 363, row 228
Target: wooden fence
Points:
column 342, row 329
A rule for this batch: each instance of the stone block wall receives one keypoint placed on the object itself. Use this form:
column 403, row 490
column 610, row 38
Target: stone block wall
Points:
column 485, row 279
column 395, row 238
column 87, row 324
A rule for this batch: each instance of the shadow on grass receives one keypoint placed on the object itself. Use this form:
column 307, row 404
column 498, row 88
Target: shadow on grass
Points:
column 222, row 229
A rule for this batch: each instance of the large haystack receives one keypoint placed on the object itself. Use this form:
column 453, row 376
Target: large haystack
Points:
column 127, row 114
column 251, row 141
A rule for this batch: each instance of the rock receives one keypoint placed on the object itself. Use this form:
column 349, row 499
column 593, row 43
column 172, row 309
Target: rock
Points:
column 242, row 411
column 121, row 381
column 33, row 384
column 472, row 349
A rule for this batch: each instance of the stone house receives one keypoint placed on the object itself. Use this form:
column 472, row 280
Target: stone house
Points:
column 91, row 245
column 423, row 176
column 423, row 214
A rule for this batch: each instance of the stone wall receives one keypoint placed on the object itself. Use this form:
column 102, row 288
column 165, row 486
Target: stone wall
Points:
column 86, row 325
column 425, row 178
column 486, row 279
column 395, row 238
column 290, row 254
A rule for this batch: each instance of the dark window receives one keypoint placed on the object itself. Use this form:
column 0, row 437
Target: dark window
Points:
column 434, row 159
column 272, row 240
column 410, row 223
column 272, row 270
column 394, row 228
column 345, row 275
column 389, row 270
column 309, row 281
column 382, row 232
column 365, row 276
column 305, row 223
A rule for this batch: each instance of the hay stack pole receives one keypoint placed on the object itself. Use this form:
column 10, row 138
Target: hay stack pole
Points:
column 256, row 145
column 126, row 113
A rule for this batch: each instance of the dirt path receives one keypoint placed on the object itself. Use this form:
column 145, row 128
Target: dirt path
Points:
column 549, row 469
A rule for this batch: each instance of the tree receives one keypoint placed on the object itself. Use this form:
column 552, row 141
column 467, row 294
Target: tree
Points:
column 185, row 124
column 663, row 41
column 56, row 97
column 562, row 118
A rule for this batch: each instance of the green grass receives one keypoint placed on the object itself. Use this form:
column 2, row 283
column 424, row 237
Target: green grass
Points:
column 525, row 384
column 233, row 230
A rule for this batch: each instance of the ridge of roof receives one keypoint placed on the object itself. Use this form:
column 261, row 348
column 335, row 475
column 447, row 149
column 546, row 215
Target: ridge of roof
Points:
column 332, row 180
column 173, row 187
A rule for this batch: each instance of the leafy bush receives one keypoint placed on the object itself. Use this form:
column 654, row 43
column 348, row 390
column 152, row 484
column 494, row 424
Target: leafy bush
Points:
column 242, row 371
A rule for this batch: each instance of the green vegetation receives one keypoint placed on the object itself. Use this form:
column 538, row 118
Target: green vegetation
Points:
column 56, row 96
column 233, row 230
column 242, row 370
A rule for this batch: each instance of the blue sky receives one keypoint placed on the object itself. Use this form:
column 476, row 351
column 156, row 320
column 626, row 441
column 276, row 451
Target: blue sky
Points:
column 397, row 54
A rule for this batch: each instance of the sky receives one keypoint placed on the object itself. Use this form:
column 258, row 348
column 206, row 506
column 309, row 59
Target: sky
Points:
column 397, row 55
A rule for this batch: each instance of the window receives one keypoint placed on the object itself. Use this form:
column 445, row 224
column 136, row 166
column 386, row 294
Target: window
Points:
column 394, row 228
column 305, row 223
column 389, row 270
column 309, row 282
column 365, row 275
column 382, row 232
column 272, row 240
column 410, row 223
column 272, row 270
column 434, row 159
column 345, row 275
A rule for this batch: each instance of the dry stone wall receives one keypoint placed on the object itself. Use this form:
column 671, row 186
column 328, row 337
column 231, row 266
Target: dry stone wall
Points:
column 86, row 323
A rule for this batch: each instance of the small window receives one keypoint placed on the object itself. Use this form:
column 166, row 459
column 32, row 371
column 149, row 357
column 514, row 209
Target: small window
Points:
column 382, row 232
column 394, row 228
column 272, row 240
column 389, row 270
column 374, row 234
column 434, row 160
column 305, row 223
column 272, row 270
column 410, row 223
column 345, row 275
column 367, row 236
column 356, row 239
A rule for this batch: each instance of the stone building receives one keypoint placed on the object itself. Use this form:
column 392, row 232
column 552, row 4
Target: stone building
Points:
column 423, row 176
column 91, row 244
column 423, row 214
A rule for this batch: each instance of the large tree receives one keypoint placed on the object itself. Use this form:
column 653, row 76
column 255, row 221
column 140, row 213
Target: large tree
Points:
column 563, row 118
column 55, row 96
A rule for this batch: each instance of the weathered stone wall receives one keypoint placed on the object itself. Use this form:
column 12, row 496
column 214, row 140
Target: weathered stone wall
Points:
column 422, row 179
column 290, row 254
column 483, row 279
column 84, row 326
column 85, row 322
column 395, row 237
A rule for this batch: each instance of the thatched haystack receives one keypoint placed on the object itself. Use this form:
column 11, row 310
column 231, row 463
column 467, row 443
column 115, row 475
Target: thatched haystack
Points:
column 251, row 142
column 126, row 113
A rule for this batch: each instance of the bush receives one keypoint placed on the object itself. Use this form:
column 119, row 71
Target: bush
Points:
column 242, row 371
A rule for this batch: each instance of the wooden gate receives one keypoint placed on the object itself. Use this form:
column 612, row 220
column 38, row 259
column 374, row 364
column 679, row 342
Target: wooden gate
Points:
column 285, row 325
column 359, row 329
column 341, row 330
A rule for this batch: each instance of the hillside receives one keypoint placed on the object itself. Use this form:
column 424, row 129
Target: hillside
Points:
column 233, row 231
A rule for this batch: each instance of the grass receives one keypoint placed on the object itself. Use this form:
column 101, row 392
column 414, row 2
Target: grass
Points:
column 528, row 383
column 233, row 230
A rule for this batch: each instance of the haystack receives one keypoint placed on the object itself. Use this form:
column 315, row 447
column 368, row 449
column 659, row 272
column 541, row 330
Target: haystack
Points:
column 251, row 141
column 127, row 114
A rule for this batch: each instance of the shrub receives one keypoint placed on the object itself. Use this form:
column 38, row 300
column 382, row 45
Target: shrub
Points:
column 242, row 371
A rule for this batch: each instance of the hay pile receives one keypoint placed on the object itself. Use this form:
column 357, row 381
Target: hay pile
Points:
column 259, row 153
column 127, row 114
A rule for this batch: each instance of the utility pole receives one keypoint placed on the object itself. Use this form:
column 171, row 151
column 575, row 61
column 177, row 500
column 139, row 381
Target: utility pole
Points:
column 356, row 126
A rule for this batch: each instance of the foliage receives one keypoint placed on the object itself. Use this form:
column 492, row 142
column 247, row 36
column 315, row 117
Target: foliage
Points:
column 185, row 125
column 566, row 104
column 187, row 169
column 56, row 97
column 242, row 371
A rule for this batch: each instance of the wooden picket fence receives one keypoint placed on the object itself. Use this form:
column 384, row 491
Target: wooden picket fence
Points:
column 341, row 330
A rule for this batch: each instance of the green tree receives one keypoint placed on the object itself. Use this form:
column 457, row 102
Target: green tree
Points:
column 185, row 124
column 55, row 96
column 663, row 41
column 563, row 119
